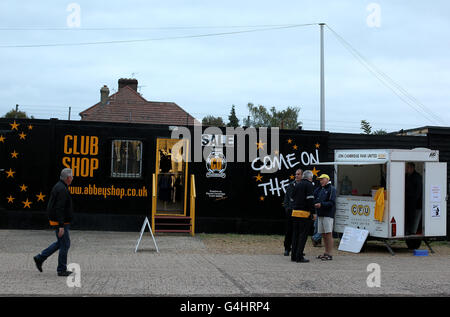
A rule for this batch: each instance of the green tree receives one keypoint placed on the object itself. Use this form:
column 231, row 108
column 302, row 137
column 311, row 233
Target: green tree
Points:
column 13, row 114
column 213, row 121
column 233, row 120
column 380, row 132
column 284, row 119
column 367, row 128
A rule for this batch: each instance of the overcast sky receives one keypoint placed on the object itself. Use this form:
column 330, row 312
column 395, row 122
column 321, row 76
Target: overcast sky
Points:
column 407, row 40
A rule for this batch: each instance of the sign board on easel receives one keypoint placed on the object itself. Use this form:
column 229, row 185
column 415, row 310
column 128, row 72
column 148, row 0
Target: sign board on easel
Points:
column 146, row 223
column 353, row 239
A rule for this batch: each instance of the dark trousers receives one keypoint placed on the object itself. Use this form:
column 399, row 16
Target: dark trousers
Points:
column 412, row 220
column 62, row 244
column 288, row 234
column 300, row 227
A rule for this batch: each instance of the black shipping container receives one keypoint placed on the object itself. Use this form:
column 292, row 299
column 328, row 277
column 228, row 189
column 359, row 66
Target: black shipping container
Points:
column 114, row 164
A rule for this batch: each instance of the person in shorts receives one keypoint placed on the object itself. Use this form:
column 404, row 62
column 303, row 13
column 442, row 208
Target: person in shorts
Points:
column 325, row 204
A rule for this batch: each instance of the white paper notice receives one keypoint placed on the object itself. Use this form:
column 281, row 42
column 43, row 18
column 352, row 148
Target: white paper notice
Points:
column 435, row 210
column 435, row 193
column 353, row 239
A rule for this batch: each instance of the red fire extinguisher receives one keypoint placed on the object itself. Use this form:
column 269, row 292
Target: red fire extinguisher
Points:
column 393, row 227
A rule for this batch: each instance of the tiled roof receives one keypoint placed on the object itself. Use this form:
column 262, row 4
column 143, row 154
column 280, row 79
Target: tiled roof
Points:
column 127, row 105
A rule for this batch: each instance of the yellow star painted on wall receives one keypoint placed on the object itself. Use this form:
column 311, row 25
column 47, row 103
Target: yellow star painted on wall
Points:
column 40, row 197
column 30, row 127
column 23, row 188
column 22, row 136
column 276, row 152
column 292, row 177
column 295, row 147
column 2, row 139
column 258, row 177
column 10, row 199
column 27, row 204
column 261, row 198
column 14, row 154
column 317, row 145
column 14, row 125
column 260, row 145
column 289, row 141
column 10, row 173
column 315, row 172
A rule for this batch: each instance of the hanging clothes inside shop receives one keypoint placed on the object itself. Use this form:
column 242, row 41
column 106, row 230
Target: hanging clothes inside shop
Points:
column 177, row 189
column 165, row 161
column 165, row 187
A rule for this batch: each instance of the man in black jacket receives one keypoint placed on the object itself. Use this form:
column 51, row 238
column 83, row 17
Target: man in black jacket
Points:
column 303, row 208
column 60, row 215
column 288, row 204
column 325, row 204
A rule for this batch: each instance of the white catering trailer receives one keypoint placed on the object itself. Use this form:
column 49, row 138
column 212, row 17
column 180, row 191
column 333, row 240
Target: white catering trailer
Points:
column 358, row 174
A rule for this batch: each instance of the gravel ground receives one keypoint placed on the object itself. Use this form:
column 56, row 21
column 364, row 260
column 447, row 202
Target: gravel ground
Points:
column 273, row 244
column 213, row 265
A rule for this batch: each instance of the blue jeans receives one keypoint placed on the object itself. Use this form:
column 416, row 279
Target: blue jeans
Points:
column 62, row 244
column 316, row 236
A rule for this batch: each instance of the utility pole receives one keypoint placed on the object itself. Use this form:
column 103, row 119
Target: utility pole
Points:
column 17, row 109
column 322, row 81
column 70, row 108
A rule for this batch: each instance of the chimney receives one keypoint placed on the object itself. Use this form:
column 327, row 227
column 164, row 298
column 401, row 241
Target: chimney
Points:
column 131, row 82
column 104, row 94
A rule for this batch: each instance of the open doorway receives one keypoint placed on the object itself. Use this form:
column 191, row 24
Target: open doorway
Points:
column 171, row 176
column 414, row 198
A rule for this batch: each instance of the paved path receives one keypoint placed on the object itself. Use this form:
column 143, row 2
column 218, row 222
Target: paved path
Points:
column 185, row 267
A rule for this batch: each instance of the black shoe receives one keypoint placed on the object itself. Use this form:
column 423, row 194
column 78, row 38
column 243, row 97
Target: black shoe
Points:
column 303, row 260
column 66, row 273
column 38, row 263
column 286, row 252
column 292, row 259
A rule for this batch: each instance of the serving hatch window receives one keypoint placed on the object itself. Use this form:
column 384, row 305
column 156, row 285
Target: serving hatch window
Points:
column 126, row 159
column 361, row 180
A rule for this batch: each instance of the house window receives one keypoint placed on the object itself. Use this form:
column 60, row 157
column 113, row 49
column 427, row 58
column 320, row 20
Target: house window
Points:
column 126, row 159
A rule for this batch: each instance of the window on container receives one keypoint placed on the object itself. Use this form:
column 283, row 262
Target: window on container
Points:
column 361, row 180
column 126, row 159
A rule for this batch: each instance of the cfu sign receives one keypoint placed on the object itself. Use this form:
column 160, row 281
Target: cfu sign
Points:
column 360, row 210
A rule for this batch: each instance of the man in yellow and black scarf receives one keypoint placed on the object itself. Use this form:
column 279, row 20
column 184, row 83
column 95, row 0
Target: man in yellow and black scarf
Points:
column 303, row 209
column 60, row 211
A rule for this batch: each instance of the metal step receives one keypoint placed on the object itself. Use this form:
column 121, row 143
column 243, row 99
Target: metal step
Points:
column 173, row 217
column 163, row 230
column 172, row 224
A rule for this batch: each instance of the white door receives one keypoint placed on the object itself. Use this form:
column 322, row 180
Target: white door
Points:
column 396, row 197
column 435, row 205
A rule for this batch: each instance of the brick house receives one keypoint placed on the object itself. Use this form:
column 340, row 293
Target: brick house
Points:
column 127, row 105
